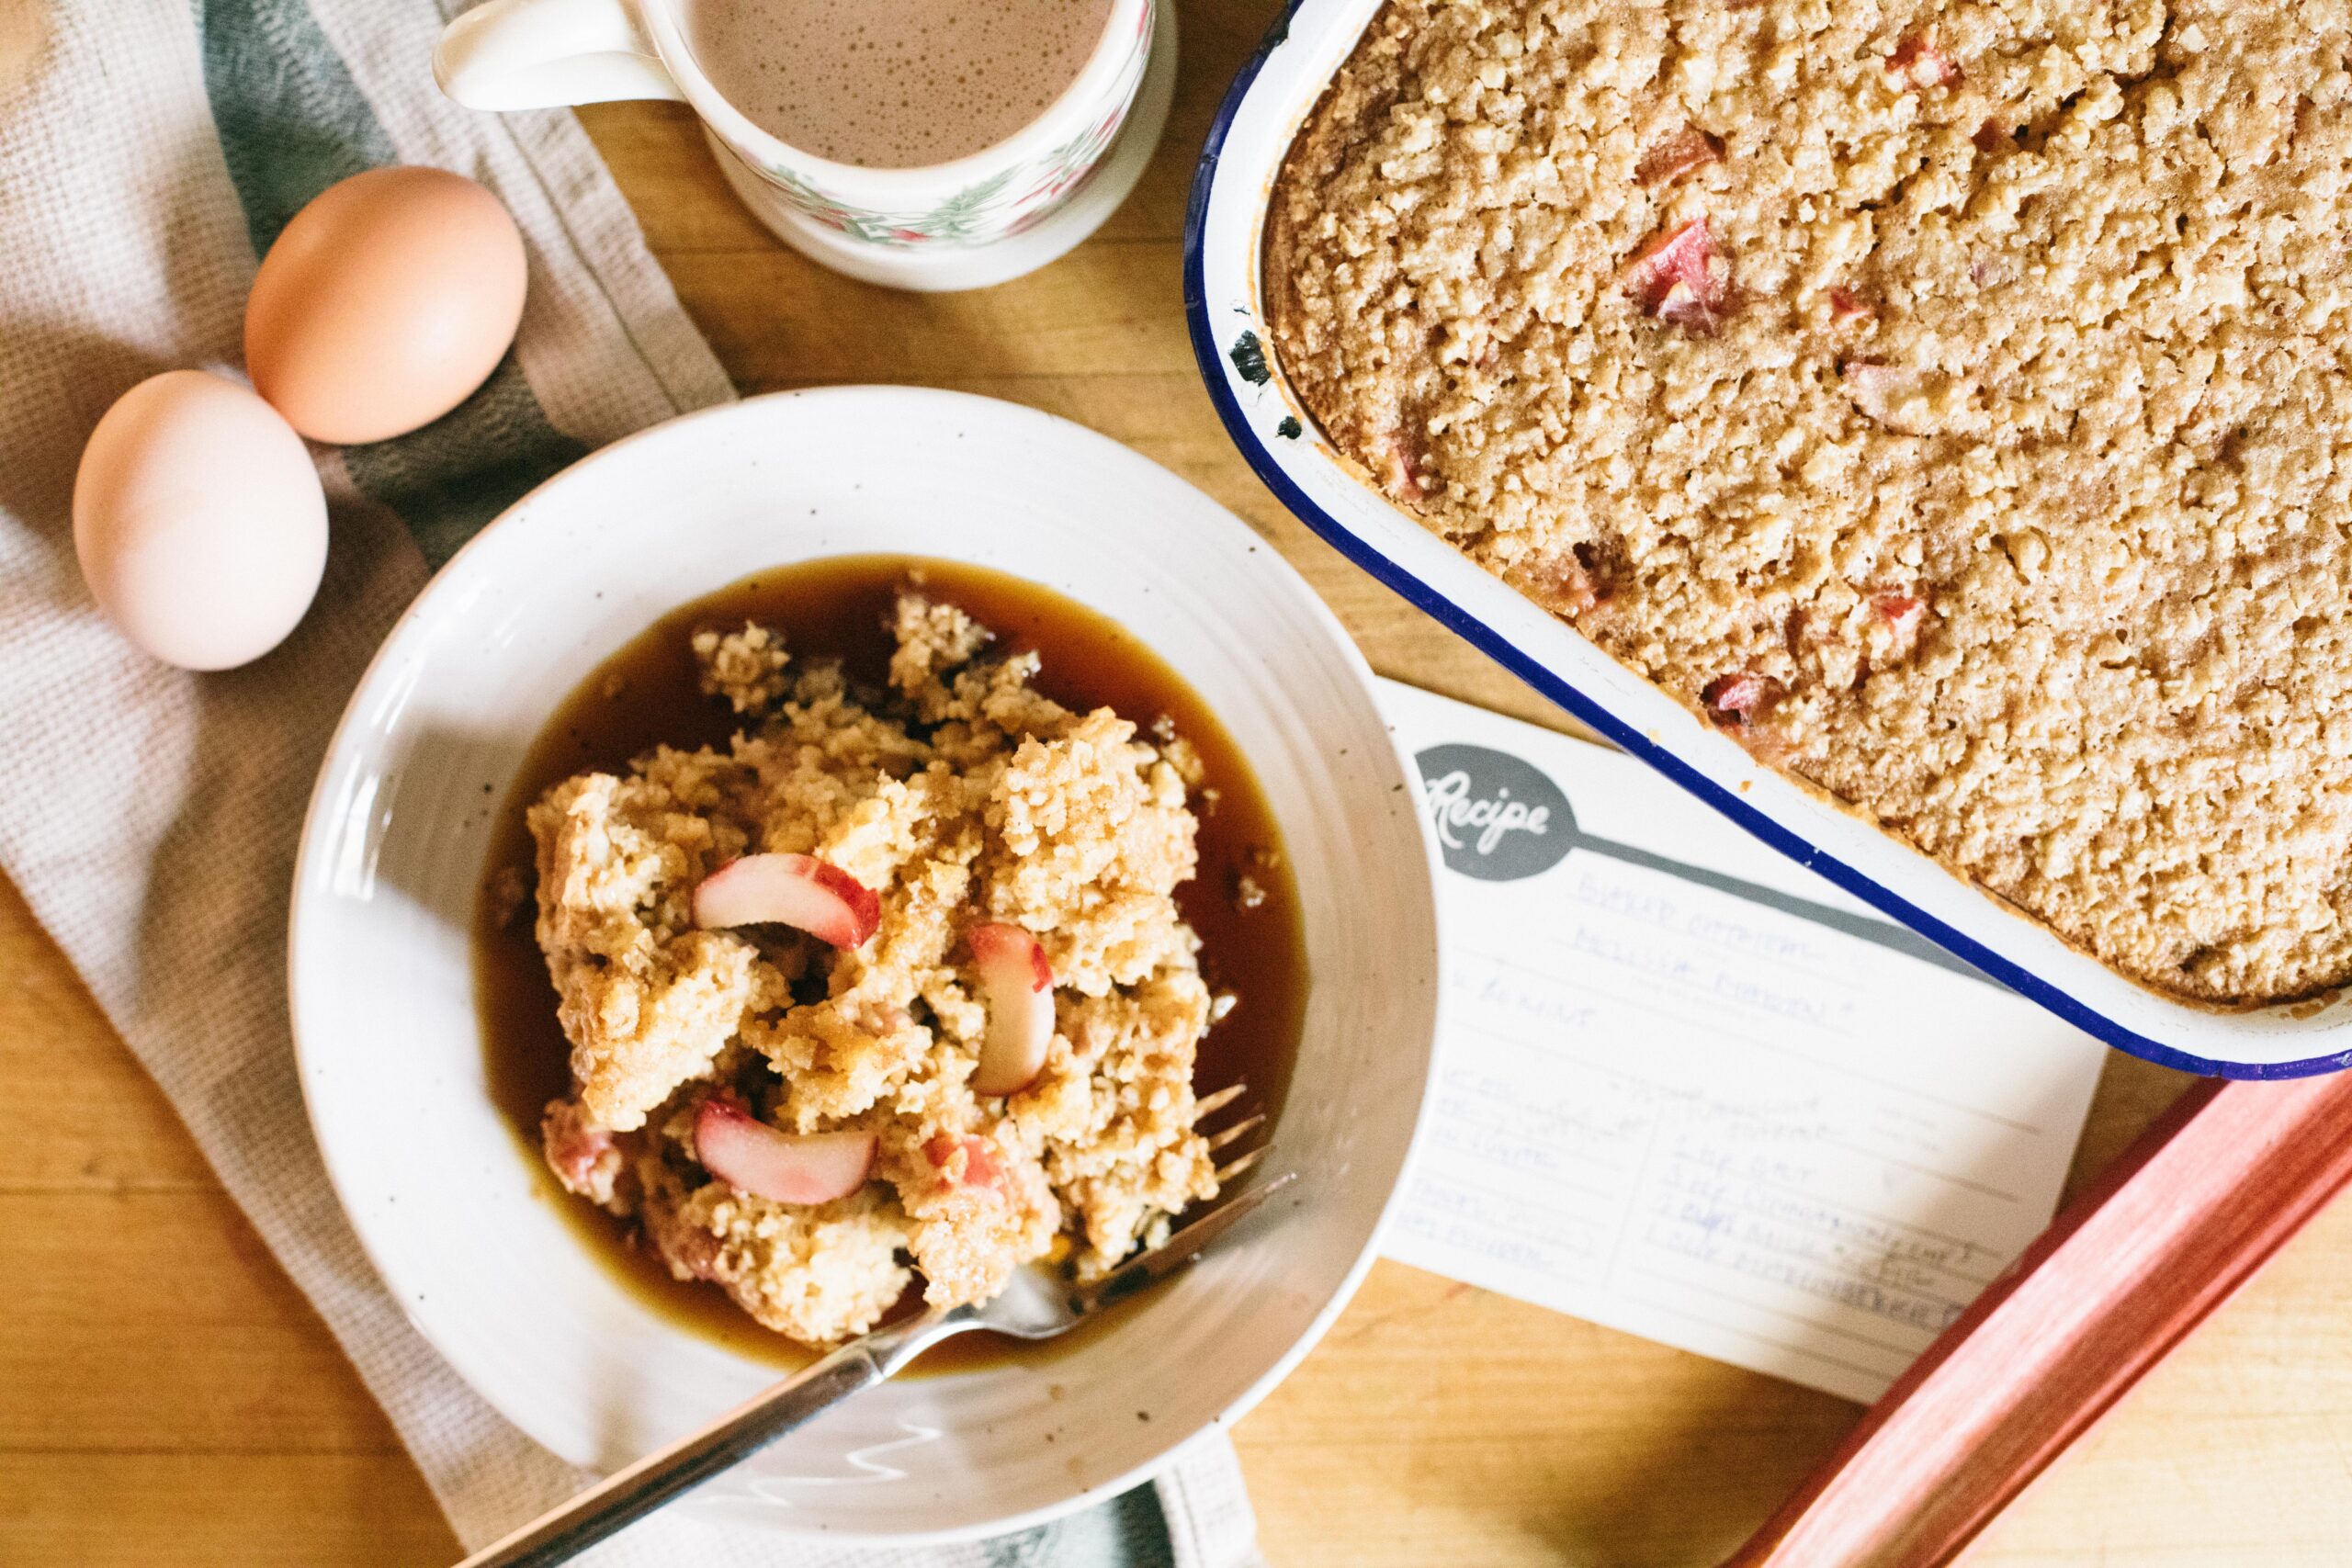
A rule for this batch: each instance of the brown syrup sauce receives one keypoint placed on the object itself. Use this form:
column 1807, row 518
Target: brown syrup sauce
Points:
column 648, row 693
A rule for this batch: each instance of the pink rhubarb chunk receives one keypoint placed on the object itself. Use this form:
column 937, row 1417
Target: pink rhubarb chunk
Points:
column 1903, row 613
column 1018, row 986
column 1900, row 611
column 1686, row 150
column 1674, row 278
column 1736, row 699
column 752, row 1157
column 1400, row 473
column 585, row 1157
column 978, row 1168
column 1919, row 63
column 795, row 890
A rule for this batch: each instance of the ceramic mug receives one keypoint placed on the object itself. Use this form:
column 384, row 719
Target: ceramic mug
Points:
column 525, row 54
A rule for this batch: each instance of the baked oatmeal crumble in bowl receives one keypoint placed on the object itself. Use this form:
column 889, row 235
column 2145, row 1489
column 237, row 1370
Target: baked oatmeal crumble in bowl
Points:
column 1882, row 420
column 888, row 955
column 870, row 979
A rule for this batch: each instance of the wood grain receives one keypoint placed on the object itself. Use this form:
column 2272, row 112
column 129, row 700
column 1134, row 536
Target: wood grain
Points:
column 166, row 1397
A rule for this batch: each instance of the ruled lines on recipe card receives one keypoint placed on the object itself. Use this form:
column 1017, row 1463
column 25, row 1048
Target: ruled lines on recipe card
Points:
column 1692, row 1091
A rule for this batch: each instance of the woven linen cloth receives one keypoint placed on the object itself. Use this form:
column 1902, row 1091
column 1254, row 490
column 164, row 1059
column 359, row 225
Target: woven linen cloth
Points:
column 149, row 152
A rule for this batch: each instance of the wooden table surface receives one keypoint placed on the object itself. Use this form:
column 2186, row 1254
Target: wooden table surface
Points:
column 166, row 1397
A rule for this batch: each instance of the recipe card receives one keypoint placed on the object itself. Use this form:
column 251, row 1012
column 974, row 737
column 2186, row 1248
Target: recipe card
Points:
column 1691, row 1090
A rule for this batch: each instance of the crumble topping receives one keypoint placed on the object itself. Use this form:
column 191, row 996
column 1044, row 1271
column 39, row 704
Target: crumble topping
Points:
column 1946, row 398
column 956, row 797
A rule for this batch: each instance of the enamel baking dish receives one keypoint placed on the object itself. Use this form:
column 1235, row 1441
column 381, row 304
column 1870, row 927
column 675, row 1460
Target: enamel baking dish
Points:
column 1274, row 94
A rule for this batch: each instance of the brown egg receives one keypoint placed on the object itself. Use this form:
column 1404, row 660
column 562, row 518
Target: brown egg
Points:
column 385, row 302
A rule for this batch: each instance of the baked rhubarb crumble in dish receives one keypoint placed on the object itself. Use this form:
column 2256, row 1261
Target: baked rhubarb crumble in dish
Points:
column 1948, row 400
column 890, row 991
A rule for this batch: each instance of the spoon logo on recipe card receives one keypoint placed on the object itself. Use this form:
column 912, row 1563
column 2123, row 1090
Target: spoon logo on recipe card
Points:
column 1497, row 819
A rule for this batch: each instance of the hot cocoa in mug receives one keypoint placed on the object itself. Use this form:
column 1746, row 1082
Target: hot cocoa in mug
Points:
column 893, row 84
column 862, row 132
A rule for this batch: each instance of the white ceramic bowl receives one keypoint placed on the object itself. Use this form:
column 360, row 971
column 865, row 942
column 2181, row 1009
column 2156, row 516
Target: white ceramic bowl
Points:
column 391, row 1055
column 1223, row 242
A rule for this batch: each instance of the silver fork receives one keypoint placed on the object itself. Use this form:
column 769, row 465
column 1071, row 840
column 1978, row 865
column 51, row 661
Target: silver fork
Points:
column 1037, row 1304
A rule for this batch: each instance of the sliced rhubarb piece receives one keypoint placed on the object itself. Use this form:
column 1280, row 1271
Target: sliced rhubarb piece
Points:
column 1737, row 699
column 1574, row 582
column 795, row 890
column 1846, row 306
column 1401, row 475
column 1902, row 612
column 1917, row 63
column 976, row 1167
column 752, row 1157
column 577, row 1157
column 1686, row 150
column 1018, row 986
column 585, row 1157
column 1675, row 278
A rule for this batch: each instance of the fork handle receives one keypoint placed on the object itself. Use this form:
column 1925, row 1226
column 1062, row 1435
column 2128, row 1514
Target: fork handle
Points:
column 629, row 1495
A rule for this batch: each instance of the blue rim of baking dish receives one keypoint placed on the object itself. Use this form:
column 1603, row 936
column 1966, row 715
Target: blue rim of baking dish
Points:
column 1549, row 683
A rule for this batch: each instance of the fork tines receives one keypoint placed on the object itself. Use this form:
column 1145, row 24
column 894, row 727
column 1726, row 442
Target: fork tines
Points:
column 1237, row 1131
column 1235, row 1166
column 1209, row 1105
column 1187, row 1242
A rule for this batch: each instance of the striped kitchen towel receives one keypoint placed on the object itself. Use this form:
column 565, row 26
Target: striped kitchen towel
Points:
column 149, row 151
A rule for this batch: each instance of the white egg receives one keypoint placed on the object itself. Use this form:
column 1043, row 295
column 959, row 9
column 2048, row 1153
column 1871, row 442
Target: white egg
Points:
column 198, row 521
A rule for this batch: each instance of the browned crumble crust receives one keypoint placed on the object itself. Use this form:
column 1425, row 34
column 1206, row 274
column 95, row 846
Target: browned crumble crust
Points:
column 1950, row 399
column 959, row 795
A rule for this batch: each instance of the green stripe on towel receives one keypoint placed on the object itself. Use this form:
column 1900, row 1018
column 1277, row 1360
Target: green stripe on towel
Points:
column 1128, row 1531
column 292, row 122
